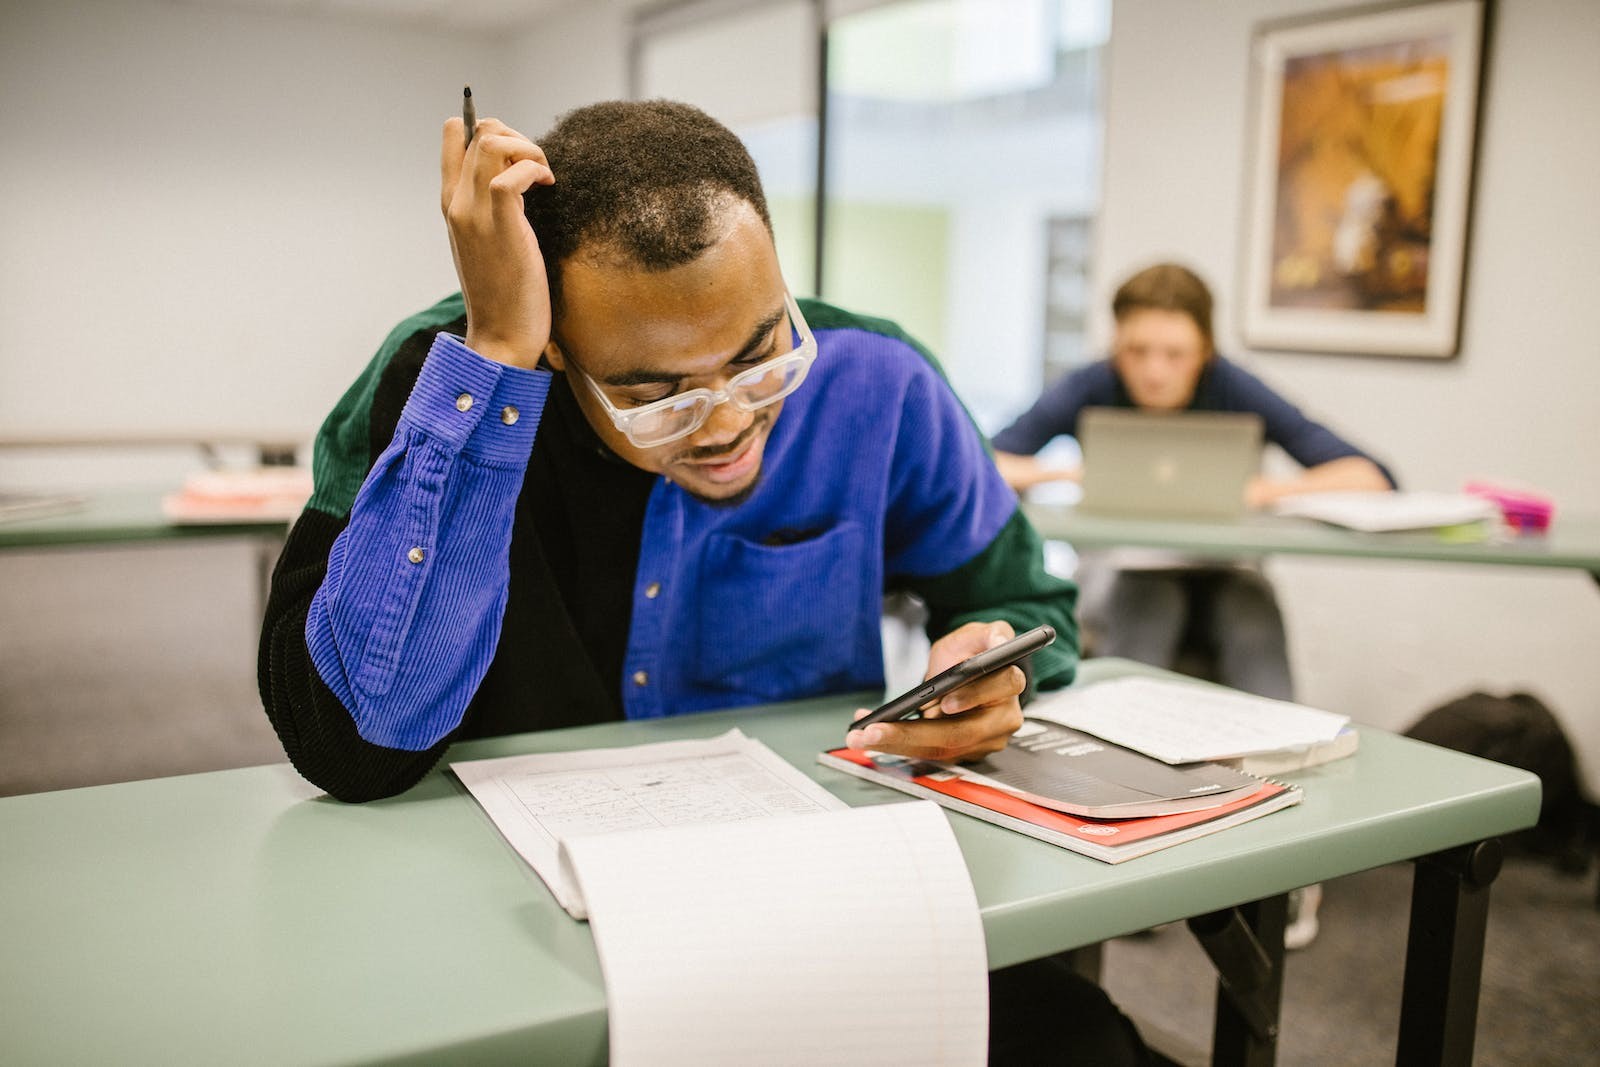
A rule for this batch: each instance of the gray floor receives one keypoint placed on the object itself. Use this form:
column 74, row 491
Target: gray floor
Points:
column 1540, row 1003
column 127, row 663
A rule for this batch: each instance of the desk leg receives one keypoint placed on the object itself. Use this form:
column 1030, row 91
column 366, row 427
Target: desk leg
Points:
column 1444, row 954
column 1246, row 945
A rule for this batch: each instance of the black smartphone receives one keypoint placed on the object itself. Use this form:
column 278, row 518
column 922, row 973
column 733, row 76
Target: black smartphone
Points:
column 913, row 701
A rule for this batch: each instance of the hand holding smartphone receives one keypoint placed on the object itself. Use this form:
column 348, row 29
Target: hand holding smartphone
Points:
column 913, row 701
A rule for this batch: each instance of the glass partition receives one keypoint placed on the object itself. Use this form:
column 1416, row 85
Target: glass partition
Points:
column 755, row 67
column 963, row 163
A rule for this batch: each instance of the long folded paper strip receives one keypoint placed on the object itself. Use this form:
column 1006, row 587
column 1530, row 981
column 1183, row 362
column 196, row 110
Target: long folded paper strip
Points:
column 845, row 937
column 1178, row 722
column 718, row 879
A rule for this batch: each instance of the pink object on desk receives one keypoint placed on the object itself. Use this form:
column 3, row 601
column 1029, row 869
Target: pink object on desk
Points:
column 1524, row 511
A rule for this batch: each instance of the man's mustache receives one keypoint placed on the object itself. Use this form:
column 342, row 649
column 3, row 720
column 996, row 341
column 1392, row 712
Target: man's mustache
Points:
column 704, row 455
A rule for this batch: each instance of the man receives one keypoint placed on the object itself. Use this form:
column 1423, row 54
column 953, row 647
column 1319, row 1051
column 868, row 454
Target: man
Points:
column 624, row 474
column 636, row 486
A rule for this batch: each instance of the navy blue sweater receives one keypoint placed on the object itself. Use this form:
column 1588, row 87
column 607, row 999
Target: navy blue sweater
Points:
column 1223, row 386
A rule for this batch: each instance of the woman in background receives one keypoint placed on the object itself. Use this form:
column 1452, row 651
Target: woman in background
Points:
column 1163, row 358
column 1147, row 606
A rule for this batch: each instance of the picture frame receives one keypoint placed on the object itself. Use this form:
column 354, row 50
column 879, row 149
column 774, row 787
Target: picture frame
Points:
column 1359, row 182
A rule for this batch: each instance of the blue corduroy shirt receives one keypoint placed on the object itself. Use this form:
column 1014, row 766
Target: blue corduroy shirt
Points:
column 873, row 472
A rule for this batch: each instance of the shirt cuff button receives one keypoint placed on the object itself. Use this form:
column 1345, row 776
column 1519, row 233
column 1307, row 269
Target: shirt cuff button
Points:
column 641, row 678
column 416, row 555
column 464, row 402
column 509, row 415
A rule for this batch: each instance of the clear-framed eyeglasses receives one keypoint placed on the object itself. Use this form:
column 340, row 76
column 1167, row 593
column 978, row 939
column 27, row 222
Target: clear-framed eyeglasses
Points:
column 680, row 415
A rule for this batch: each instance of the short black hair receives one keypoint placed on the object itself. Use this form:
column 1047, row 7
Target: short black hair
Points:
column 642, row 179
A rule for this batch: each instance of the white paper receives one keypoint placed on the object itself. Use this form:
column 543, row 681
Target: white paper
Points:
column 1180, row 723
column 537, row 800
column 848, row 937
column 1378, row 512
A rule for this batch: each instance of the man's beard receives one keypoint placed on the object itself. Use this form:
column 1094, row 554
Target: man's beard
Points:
column 756, row 428
column 736, row 499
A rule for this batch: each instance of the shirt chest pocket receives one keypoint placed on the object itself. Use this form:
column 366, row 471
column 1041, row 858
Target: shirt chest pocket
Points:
column 777, row 622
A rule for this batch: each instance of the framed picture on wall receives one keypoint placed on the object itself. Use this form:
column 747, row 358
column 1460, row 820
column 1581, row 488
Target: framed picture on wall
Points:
column 1359, row 182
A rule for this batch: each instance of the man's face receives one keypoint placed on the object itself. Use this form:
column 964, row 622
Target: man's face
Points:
column 643, row 336
column 1159, row 355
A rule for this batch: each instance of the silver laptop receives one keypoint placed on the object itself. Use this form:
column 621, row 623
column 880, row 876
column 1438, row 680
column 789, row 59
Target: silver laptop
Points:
column 1189, row 464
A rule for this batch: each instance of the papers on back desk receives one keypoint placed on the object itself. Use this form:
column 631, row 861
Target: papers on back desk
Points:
column 1177, row 722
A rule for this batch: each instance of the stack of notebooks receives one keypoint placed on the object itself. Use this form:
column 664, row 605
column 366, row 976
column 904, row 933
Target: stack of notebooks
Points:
column 1127, row 767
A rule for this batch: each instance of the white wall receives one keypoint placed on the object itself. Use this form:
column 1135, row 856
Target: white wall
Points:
column 211, row 216
column 1383, row 642
column 576, row 56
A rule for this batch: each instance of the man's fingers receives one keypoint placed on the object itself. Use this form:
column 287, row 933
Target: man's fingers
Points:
column 977, row 733
column 452, row 148
column 495, row 148
column 519, row 177
column 965, row 642
column 1005, row 684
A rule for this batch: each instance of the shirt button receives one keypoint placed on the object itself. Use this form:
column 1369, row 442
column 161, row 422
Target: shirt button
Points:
column 652, row 590
column 464, row 402
column 509, row 415
column 416, row 555
column 641, row 678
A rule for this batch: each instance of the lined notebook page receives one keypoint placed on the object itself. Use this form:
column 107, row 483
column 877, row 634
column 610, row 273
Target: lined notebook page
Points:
column 847, row 937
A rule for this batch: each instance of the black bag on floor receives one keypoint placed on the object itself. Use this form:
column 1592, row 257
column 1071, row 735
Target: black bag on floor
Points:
column 1519, row 730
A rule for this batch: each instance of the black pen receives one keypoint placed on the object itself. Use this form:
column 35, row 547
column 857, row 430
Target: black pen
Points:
column 469, row 114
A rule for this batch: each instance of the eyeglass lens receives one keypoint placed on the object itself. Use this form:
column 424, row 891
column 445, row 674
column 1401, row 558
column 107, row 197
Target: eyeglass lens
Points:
column 774, row 381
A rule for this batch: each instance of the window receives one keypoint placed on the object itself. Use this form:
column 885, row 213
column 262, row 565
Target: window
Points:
column 963, row 160
column 962, row 143
column 754, row 67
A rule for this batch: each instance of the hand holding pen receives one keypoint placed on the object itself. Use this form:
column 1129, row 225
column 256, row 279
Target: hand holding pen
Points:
column 485, row 168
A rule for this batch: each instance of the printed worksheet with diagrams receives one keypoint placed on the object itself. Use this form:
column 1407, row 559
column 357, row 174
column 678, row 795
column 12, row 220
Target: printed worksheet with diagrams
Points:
column 539, row 800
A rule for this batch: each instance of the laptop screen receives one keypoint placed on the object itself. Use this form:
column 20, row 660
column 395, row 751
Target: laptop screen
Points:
column 1188, row 464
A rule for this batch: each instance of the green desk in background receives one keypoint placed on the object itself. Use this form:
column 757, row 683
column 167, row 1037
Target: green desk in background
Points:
column 124, row 517
column 237, row 917
column 119, row 516
column 1572, row 540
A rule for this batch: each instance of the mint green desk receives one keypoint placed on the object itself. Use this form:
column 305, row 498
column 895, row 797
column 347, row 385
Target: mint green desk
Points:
column 237, row 918
column 1572, row 540
column 122, row 516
